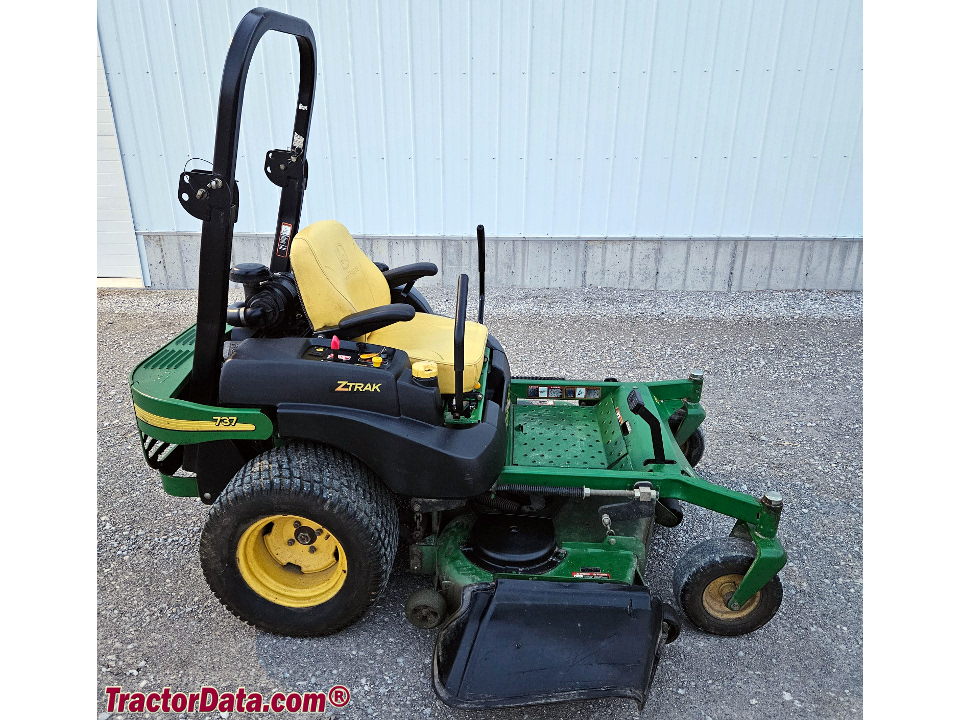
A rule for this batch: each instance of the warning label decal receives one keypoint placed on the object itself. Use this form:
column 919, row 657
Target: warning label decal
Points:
column 283, row 242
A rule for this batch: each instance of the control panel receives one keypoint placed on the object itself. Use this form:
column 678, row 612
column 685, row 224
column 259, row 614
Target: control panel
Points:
column 349, row 352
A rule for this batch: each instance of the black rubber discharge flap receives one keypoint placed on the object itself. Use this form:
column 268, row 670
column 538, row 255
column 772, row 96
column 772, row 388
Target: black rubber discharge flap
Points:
column 523, row 642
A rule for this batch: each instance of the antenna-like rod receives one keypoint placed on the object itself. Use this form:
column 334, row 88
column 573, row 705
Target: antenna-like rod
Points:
column 482, row 262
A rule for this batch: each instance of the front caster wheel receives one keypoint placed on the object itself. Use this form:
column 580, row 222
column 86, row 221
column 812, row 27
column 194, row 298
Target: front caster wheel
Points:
column 707, row 576
column 695, row 445
column 425, row 609
column 669, row 512
column 301, row 541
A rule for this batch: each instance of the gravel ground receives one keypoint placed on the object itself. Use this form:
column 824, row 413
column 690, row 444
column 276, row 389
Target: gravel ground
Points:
column 783, row 396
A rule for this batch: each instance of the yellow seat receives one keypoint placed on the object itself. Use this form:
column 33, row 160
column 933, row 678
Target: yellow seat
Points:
column 336, row 279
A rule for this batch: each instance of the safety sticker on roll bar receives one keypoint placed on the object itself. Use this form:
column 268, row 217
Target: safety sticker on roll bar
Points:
column 283, row 242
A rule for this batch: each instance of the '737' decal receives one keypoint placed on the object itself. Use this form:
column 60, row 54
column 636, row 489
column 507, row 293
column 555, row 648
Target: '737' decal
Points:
column 216, row 423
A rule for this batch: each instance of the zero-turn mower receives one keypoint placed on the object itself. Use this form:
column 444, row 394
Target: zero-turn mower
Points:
column 332, row 408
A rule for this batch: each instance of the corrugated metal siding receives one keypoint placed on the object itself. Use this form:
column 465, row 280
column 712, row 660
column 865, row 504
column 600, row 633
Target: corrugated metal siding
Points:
column 539, row 119
column 117, row 254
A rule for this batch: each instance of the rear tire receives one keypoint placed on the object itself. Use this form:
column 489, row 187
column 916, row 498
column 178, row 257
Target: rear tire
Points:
column 301, row 541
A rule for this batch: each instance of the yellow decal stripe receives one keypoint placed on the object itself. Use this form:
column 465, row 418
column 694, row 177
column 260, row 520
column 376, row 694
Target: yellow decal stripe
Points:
column 192, row 425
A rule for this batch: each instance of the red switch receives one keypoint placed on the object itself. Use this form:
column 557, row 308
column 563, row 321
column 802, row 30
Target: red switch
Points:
column 335, row 343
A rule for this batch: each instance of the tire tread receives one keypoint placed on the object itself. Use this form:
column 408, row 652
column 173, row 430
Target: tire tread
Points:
column 334, row 480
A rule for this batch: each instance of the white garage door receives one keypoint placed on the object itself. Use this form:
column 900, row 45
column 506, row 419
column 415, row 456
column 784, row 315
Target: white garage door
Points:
column 117, row 255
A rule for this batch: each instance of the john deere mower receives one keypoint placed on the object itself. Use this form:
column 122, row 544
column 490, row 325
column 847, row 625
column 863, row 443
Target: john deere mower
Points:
column 332, row 412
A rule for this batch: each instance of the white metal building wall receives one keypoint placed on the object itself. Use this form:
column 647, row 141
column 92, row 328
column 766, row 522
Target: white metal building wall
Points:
column 117, row 255
column 540, row 119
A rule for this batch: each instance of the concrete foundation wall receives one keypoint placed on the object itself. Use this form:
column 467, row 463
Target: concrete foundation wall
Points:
column 724, row 264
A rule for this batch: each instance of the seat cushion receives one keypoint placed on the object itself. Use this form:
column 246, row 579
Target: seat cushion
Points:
column 335, row 278
column 430, row 337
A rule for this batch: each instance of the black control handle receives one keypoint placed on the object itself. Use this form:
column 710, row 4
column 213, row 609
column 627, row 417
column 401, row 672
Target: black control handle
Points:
column 459, row 329
column 637, row 407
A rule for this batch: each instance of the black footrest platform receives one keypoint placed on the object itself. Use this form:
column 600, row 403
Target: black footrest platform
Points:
column 522, row 642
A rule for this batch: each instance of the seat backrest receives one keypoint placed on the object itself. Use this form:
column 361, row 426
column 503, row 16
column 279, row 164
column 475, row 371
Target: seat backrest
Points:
column 334, row 276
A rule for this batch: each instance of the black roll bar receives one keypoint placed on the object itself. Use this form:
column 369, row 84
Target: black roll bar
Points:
column 219, row 213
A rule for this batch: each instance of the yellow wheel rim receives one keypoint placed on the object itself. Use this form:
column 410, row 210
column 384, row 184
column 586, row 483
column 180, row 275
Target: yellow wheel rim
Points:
column 292, row 561
column 717, row 593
